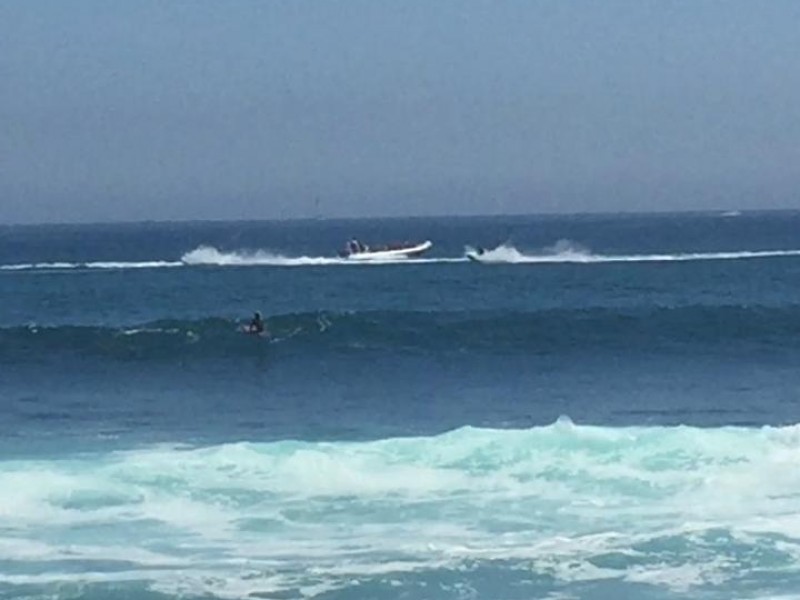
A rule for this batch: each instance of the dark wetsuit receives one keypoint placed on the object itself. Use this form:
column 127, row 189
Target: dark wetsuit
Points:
column 256, row 325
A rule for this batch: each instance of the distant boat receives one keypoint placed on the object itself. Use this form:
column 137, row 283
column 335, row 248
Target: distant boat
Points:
column 358, row 251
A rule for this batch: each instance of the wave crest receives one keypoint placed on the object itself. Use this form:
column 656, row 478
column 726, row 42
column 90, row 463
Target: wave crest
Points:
column 545, row 331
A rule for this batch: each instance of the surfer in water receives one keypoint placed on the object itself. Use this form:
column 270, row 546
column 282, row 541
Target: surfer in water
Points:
column 256, row 325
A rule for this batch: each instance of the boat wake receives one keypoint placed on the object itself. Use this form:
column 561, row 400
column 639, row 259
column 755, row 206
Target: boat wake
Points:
column 96, row 265
column 208, row 255
column 566, row 251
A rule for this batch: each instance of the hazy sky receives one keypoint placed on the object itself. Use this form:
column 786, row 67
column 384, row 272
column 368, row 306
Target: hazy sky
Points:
column 174, row 109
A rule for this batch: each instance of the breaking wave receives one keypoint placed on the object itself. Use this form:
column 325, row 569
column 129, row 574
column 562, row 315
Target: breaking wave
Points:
column 562, row 509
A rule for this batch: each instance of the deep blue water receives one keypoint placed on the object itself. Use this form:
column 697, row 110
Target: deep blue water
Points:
column 607, row 408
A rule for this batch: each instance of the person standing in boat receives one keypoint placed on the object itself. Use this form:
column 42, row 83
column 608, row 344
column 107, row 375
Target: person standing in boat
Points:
column 354, row 246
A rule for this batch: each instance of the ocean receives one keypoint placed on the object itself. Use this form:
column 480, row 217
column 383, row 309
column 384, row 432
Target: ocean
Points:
column 606, row 408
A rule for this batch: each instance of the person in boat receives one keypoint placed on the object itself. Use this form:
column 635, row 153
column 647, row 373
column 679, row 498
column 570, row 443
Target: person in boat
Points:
column 256, row 325
column 354, row 246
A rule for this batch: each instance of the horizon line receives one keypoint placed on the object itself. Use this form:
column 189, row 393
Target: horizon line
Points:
column 706, row 211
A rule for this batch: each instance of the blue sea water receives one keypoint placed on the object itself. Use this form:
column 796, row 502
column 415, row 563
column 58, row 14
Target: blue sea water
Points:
column 608, row 408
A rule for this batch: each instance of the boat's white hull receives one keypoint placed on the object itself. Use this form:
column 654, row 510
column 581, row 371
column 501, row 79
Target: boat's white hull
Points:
column 392, row 254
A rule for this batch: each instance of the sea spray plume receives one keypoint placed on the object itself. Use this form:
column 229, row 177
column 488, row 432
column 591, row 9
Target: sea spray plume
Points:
column 208, row 255
column 566, row 251
column 567, row 248
column 561, row 251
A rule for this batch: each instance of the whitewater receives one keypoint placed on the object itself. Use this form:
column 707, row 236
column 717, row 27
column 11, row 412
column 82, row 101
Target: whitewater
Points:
column 550, row 508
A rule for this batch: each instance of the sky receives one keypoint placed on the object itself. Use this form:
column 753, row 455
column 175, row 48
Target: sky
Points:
column 199, row 109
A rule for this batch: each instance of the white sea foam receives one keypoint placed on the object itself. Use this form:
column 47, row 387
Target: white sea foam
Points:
column 569, row 252
column 40, row 266
column 104, row 265
column 653, row 505
column 208, row 255
column 147, row 264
